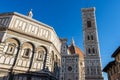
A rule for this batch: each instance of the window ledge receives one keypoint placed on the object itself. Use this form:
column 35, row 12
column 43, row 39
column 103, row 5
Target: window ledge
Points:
column 8, row 53
column 39, row 59
column 25, row 56
column 92, row 54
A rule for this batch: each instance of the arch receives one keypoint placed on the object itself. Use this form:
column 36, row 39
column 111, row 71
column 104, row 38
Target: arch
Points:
column 41, row 47
column 41, row 52
column 45, row 48
column 28, row 45
column 11, row 45
column 13, row 40
column 27, row 49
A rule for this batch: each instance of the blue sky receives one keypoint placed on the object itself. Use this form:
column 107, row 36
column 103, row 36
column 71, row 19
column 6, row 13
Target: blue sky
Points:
column 65, row 17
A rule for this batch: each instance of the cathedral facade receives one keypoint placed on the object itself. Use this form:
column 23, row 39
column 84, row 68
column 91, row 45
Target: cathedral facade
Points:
column 31, row 50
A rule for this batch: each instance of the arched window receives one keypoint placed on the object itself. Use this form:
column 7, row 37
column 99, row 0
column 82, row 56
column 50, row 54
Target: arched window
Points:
column 27, row 52
column 40, row 55
column 89, row 51
column 88, row 24
column 11, row 48
column 91, row 37
column 88, row 37
column 93, row 50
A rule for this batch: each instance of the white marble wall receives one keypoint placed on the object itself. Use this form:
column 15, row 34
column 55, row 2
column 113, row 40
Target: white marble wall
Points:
column 25, row 25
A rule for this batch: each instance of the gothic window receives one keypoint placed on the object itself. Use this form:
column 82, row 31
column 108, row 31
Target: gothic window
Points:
column 27, row 52
column 11, row 48
column 89, row 51
column 91, row 37
column 40, row 55
column 88, row 37
column 88, row 24
column 93, row 50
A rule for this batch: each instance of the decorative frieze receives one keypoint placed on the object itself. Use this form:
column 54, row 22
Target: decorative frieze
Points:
column 31, row 29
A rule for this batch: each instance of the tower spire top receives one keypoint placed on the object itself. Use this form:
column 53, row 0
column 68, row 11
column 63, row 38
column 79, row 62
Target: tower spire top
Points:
column 72, row 41
column 30, row 13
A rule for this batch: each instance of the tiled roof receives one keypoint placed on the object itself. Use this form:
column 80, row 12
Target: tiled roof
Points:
column 75, row 50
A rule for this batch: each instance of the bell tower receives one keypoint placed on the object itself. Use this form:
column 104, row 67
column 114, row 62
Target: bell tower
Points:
column 91, row 45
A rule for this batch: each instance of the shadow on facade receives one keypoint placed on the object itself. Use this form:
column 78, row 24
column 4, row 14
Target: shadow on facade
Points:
column 31, row 75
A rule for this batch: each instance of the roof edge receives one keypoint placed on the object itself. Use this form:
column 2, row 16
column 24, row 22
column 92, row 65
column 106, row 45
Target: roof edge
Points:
column 108, row 65
column 26, row 17
column 116, row 52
